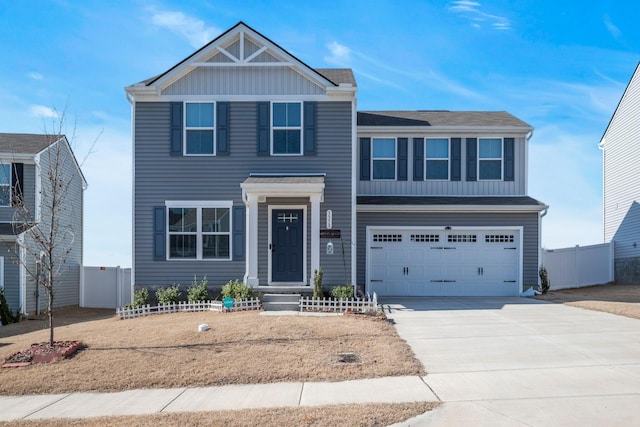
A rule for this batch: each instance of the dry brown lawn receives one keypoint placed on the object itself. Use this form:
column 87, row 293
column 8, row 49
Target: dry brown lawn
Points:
column 241, row 348
column 617, row 298
column 338, row 415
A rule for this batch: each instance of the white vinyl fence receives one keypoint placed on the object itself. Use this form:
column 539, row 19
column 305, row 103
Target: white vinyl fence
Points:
column 147, row 310
column 579, row 266
column 106, row 287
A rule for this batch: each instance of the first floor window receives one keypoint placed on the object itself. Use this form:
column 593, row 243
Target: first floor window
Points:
column 199, row 128
column 5, row 184
column 490, row 158
column 437, row 158
column 287, row 127
column 384, row 158
column 199, row 232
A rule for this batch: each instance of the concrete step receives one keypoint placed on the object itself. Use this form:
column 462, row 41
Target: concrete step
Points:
column 281, row 302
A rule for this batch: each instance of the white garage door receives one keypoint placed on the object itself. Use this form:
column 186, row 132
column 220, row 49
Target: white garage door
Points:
column 428, row 262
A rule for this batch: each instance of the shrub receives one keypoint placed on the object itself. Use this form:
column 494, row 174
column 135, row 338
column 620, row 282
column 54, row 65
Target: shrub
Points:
column 317, row 284
column 342, row 292
column 140, row 298
column 544, row 280
column 6, row 315
column 237, row 290
column 198, row 291
column 168, row 295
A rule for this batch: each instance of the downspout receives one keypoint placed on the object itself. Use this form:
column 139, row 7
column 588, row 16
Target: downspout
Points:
column 527, row 137
column 542, row 214
column 354, row 190
column 133, row 194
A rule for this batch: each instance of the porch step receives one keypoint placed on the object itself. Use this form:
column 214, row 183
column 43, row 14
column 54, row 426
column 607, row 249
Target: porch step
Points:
column 281, row 302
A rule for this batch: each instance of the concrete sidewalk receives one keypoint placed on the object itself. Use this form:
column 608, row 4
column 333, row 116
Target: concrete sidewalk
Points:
column 142, row 402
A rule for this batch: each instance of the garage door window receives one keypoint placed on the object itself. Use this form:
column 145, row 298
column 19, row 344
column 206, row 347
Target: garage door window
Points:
column 387, row 237
column 499, row 238
column 425, row 238
column 462, row 238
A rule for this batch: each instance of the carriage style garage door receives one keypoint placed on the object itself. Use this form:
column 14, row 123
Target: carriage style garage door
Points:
column 431, row 262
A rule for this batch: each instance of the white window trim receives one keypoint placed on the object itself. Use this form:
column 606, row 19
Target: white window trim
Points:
column 274, row 128
column 395, row 159
column 478, row 160
column 199, row 205
column 437, row 158
column 185, row 128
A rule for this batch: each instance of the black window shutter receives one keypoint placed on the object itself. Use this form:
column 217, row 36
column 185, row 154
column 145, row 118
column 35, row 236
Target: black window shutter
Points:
column 222, row 128
column 472, row 157
column 159, row 233
column 176, row 129
column 17, row 177
column 264, row 129
column 418, row 159
column 310, row 128
column 456, row 159
column 403, row 155
column 365, row 159
column 509, row 159
column 238, row 232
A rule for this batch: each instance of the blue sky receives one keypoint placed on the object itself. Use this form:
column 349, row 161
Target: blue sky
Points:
column 560, row 66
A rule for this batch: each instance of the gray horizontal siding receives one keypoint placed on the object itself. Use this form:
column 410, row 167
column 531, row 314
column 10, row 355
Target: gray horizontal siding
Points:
column 160, row 177
column 529, row 222
column 251, row 81
column 450, row 188
column 7, row 213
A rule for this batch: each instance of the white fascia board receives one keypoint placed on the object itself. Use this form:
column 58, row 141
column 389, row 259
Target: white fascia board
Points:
column 12, row 157
column 335, row 96
column 141, row 90
column 432, row 129
column 273, row 189
column 450, row 208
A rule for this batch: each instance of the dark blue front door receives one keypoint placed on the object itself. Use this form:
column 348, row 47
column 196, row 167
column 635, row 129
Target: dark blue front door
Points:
column 286, row 245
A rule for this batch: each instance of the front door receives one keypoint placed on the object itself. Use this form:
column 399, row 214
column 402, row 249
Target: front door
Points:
column 286, row 245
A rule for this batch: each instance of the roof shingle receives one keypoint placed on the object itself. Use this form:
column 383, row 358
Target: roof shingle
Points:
column 439, row 118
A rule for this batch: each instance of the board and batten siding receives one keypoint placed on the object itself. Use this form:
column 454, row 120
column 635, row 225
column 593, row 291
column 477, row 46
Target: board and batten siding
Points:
column 621, row 157
column 160, row 177
column 7, row 213
column 529, row 222
column 67, row 283
column 250, row 81
column 517, row 187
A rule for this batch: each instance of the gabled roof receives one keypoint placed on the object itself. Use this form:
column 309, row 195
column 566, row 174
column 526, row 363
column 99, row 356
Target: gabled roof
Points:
column 440, row 118
column 25, row 143
column 328, row 77
column 636, row 74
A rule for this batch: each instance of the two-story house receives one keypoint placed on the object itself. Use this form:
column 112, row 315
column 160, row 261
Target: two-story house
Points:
column 29, row 164
column 249, row 164
column 621, row 183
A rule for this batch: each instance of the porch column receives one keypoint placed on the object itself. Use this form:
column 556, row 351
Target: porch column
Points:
column 315, row 234
column 251, row 269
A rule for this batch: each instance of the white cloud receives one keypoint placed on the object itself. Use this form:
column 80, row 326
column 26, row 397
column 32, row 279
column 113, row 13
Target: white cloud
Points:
column 36, row 76
column 339, row 54
column 192, row 29
column 613, row 30
column 471, row 10
column 44, row 112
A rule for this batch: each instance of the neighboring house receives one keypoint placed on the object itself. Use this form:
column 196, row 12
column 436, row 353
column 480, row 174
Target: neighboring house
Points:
column 249, row 164
column 25, row 162
column 621, row 190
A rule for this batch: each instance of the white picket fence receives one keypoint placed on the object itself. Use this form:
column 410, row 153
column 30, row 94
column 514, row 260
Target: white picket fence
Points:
column 579, row 265
column 147, row 310
column 333, row 305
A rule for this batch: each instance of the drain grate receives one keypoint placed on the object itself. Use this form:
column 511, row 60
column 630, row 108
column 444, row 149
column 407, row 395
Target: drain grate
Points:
column 350, row 358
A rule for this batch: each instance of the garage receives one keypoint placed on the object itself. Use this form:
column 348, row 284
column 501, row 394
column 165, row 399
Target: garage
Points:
column 444, row 261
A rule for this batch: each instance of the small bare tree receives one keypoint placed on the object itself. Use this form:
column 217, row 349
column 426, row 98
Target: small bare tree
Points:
column 44, row 224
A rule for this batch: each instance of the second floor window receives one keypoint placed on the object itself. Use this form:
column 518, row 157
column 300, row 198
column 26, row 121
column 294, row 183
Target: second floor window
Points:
column 490, row 158
column 383, row 158
column 200, row 128
column 5, row 184
column 437, row 158
column 286, row 128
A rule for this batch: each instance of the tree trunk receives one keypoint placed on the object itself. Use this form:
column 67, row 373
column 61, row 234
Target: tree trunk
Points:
column 50, row 319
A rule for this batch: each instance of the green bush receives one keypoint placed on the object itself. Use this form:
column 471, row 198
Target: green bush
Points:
column 198, row 291
column 317, row 284
column 140, row 298
column 237, row 290
column 168, row 295
column 342, row 292
column 6, row 315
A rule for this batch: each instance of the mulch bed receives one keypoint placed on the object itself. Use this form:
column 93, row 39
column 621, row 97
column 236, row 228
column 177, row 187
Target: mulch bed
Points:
column 42, row 353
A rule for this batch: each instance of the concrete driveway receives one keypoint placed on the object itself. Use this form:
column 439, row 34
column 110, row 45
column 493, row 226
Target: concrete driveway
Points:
column 522, row 362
